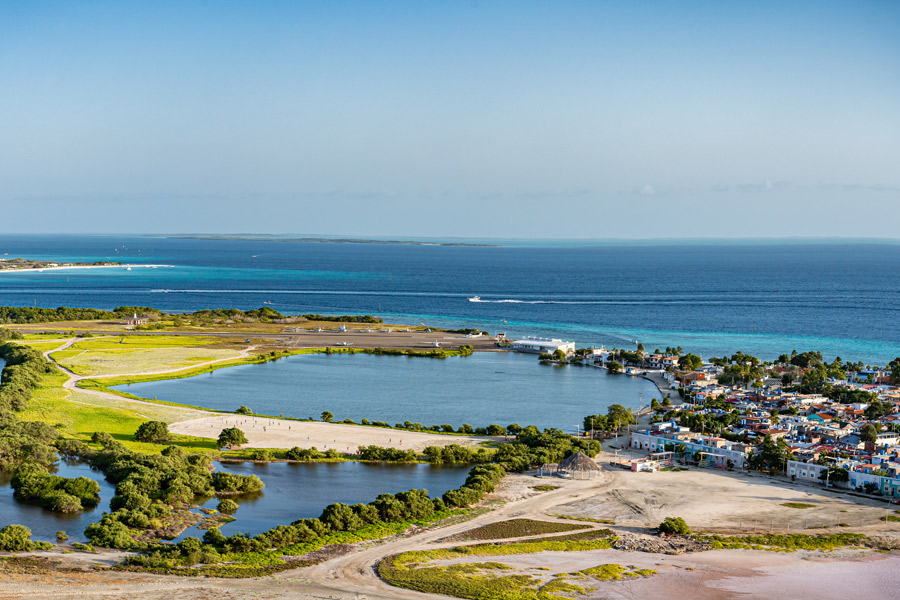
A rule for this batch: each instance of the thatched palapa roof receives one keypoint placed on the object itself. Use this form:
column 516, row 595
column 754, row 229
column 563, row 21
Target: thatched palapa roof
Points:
column 578, row 462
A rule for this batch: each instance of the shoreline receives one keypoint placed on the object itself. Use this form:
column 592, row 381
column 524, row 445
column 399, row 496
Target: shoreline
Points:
column 74, row 267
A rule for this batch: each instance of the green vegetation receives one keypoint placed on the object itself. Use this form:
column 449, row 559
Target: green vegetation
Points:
column 28, row 314
column 77, row 416
column 468, row 580
column 456, row 454
column 890, row 518
column 614, row 366
column 339, row 523
column 149, row 487
column 310, row 454
column 587, row 519
column 786, row 542
column 17, row 538
column 616, row 416
column 33, row 483
column 479, row 580
column 513, row 528
column 798, row 504
column 22, row 441
column 544, row 487
column 9, row 334
column 534, row 447
column 377, row 453
column 674, row 526
column 608, row 572
column 153, row 432
column 690, row 362
column 343, row 318
column 228, row 506
column 230, row 437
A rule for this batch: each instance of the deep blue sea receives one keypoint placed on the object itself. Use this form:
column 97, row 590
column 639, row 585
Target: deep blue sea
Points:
column 762, row 298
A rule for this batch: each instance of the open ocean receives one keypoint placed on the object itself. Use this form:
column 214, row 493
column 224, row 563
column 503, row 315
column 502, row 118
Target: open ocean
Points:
column 712, row 298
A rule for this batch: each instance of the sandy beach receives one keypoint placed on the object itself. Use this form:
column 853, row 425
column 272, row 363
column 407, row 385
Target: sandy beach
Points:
column 282, row 433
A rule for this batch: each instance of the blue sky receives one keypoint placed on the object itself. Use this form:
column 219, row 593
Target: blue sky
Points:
column 497, row 119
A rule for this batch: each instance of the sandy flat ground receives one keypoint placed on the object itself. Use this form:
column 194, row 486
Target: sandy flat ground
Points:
column 726, row 574
column 729, row 501
column 279, row 433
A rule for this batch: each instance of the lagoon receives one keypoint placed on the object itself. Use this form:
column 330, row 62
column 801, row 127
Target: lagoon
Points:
column 293, row 491
column 45, row 523
column 302, row 490
column 485, row 388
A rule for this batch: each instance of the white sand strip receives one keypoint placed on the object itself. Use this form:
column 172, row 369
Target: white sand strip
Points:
column 281, row 433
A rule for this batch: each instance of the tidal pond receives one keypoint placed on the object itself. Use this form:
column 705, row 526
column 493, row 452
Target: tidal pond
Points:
column 301, row 490
column 293, row 491
column 485, row 388
column 45, row 523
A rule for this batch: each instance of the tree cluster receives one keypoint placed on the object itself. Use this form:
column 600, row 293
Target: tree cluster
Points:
column 34, row 484
column 338, row 517
column 452, row 454
column 386, row 454
column 297, row 453
column 29, row 314
column 535, row 447
column 616, row 416
column 154, row 432
column 149, row 485
column 17, row 538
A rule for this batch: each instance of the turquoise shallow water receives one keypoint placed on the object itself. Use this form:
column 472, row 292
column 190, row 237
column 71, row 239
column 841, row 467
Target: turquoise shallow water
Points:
column 712, row 298
column 485, row 388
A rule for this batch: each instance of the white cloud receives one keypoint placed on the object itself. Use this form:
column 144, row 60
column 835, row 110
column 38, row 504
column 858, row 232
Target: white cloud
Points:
column 648, row 190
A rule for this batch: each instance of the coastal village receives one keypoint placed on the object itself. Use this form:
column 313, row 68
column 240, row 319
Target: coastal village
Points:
column 836, row 424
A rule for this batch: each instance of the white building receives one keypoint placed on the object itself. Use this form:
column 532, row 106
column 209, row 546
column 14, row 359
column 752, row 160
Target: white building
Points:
column 542, row 345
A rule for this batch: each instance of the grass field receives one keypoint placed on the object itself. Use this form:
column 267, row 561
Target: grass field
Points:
column 128, row 360
column 143, row 341
column 78, row 416
column 40, row 345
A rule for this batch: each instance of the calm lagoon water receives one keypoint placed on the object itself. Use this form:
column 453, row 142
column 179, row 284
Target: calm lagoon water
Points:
column 44, row 523
column 301, row 490
column 293, row 491
column 485, row 388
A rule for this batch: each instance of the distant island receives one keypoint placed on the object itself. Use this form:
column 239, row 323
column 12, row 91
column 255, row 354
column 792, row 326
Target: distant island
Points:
column 252, row 238
column 9, row 265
